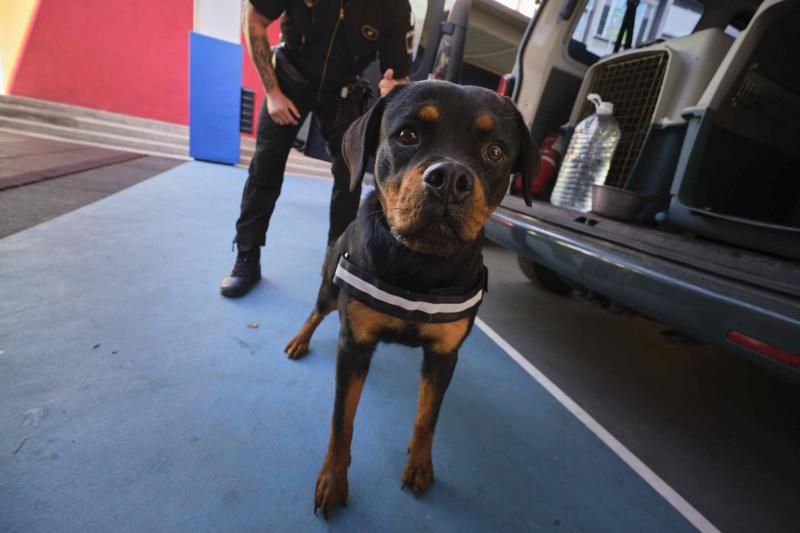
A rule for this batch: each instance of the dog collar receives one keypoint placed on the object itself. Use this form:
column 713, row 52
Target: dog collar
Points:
column 407, row 305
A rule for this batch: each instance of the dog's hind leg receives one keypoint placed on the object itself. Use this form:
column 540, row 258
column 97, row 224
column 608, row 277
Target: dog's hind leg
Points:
column 326, row 303
column 352, row 365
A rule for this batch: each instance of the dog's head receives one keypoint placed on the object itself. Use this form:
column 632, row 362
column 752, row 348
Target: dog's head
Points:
column 444, row 156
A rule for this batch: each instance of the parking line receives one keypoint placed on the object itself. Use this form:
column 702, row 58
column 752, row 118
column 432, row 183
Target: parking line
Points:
column 651, row 478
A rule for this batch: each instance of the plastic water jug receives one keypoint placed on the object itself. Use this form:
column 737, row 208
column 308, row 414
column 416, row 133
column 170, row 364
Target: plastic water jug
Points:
column 588, row 157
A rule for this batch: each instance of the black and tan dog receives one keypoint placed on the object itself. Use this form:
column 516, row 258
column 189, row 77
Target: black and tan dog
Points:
column 409, row 269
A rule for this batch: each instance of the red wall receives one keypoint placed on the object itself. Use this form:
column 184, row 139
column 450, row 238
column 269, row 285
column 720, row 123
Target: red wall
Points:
column 118, row 55
column 115, row 55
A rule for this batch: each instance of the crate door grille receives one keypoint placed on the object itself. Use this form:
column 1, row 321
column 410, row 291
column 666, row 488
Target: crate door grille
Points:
column 633, row 86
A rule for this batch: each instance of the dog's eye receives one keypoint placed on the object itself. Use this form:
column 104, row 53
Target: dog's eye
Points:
column 407, row 136
column 494, row 152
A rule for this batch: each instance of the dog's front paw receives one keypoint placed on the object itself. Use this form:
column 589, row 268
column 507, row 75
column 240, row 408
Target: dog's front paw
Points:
column 298, row 346
column 331, row 490
column 417, row 474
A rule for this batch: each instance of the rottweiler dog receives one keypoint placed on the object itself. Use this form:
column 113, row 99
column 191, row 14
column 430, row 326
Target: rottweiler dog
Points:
column 444, row 155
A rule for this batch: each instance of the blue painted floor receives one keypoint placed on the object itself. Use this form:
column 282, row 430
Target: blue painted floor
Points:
column 133, row 397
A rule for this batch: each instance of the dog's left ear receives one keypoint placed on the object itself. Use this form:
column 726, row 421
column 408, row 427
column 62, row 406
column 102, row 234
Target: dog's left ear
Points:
column 360, row 141
column 527, row 163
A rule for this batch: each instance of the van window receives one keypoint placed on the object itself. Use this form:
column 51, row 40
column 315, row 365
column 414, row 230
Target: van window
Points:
column 732, row 30
column 526, row 7
column 597, row 29
column 738, row 23
column 419, row 8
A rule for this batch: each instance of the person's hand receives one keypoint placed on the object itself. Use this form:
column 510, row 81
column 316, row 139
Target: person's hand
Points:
column 388, row 82
column 282, row 110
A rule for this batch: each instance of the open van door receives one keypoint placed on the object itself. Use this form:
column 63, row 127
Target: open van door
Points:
column 452, row 39
column 551, row 73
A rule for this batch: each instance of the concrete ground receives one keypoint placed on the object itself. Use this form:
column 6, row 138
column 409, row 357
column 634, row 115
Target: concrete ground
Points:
column 25, row 159
column 721, row 431
column 137, row 398
column 26, row 206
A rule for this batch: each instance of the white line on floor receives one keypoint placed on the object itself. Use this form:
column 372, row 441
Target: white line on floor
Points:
column 651, row 478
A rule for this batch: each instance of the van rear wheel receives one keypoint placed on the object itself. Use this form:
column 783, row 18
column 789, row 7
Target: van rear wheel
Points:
column 543, row 276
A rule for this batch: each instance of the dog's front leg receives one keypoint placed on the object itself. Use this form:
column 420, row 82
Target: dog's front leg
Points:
column 352, row 365
column 437, row 370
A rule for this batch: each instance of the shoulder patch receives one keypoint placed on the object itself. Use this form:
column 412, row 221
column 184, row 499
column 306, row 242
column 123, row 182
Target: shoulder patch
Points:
column 368, row 32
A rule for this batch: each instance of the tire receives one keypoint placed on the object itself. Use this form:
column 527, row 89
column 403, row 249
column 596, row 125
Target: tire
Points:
column 543, row 276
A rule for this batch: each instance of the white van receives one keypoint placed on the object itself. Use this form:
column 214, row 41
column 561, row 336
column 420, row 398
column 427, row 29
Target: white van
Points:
column 697, row 223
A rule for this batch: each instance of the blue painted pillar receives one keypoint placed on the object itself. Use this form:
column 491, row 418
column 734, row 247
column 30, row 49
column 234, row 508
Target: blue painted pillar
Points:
column 215, row 80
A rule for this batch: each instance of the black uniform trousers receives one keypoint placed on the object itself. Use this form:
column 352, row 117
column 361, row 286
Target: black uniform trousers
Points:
column 265, row 178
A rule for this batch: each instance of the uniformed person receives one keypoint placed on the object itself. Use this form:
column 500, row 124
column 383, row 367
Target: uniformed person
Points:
column 326, row 44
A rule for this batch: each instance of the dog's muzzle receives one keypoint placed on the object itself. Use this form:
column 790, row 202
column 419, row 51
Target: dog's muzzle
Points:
column 448, row 181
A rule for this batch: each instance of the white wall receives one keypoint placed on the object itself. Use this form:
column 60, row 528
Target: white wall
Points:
column 219, row 18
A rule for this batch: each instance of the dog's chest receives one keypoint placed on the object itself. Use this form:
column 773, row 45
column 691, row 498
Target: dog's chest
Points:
column 368, row 325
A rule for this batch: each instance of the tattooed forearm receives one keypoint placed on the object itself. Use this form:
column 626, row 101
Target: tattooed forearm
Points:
column 262, row 57
column 255, row 29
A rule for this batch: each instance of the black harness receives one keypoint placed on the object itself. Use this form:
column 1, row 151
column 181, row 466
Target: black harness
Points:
column 417, row 307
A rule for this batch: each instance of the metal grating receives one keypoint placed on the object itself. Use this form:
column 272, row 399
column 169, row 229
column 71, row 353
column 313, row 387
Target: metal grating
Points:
column 247, row 108
column 633, row 86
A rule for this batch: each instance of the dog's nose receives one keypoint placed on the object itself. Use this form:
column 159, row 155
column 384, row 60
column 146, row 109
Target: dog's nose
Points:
column 448, row 180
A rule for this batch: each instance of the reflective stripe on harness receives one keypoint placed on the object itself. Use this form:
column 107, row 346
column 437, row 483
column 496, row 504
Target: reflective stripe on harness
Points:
column 417, row 307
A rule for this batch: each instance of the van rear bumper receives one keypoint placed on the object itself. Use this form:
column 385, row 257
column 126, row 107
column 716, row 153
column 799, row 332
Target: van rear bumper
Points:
column 701, row 304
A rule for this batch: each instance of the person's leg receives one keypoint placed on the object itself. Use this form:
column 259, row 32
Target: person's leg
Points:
column 261, row 191
column 344, row 203
column 264, row 180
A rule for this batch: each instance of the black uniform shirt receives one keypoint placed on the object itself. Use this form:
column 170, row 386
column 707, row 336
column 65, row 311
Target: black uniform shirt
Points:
column 368, row 27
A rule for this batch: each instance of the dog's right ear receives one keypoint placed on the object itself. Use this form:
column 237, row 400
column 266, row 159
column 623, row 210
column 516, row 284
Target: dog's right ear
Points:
column 360, row 141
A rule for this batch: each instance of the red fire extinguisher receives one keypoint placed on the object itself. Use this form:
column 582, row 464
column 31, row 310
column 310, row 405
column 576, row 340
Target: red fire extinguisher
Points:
column 551, row 150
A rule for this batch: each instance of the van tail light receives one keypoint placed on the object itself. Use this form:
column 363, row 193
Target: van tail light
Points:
column 506, row 85
column 773, row 352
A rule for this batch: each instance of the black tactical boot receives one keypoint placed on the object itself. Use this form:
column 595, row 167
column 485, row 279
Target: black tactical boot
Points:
column 246, row 273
